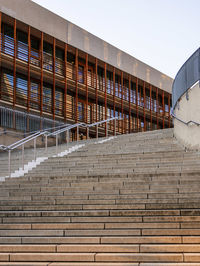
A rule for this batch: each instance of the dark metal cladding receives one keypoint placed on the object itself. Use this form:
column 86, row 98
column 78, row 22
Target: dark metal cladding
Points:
column 187, row 76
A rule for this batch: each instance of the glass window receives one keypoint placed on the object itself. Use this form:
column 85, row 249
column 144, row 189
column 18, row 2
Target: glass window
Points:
column 7, row 83
column 34, row 99
column 47, row 98
column 35, row 44
column 47, row 48
column 22, row 37
column 47, row 56
column 81, row 74
column 60, row 53
column 21, row 91
column 8, row 30
column 21, row 85
column 8, row 40
column 20, row 121
column 58, row 101
column 6, row 118
column 81, row 111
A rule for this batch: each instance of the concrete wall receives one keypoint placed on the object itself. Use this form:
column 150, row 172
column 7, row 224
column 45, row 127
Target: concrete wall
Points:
column 52, row 24
column 188, row 110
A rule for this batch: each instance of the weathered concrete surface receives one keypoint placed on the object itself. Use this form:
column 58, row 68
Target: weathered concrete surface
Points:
column 188, row 110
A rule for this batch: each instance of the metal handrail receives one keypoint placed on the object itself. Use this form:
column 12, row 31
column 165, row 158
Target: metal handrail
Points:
column 28, row 139
column 104, row 121
column 18, row 144
column 66, row 128
column 46, row 133
column 185, row 123
column 22, row 141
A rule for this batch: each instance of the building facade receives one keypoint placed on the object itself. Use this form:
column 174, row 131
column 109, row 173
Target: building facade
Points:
column 53, row 72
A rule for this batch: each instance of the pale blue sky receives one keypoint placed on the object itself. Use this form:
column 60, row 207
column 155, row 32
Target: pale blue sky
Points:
column 161, row 33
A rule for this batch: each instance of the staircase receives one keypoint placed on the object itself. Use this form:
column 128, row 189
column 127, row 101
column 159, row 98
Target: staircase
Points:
column 130, row 201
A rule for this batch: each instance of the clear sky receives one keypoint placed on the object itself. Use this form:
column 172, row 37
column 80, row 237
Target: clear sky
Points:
column 161, row 33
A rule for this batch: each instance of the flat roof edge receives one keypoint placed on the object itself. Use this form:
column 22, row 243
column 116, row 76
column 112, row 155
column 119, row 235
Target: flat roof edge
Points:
column 52, row 24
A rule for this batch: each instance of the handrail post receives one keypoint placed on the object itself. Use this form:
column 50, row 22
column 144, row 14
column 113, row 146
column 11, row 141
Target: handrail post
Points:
column 23, row 156
column 56, row 143
column 34, row 149
column 77, row 134
column 67, row 137
column 97, row 134
column 88, row 129
column 46, row 143
column 9, row 163
column 115, row 127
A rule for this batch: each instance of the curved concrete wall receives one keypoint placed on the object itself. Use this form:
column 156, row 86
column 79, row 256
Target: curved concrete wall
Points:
column 187, row 109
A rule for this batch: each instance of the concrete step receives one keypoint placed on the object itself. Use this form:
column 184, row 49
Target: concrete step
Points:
column 133, row 200
column 99, row 257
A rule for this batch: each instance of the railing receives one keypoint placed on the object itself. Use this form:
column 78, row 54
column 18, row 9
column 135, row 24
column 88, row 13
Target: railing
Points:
column 46, row 133
column 60, row 131
column 187, row 76
column 26, row 122
column 185, row 123
column 106, row 125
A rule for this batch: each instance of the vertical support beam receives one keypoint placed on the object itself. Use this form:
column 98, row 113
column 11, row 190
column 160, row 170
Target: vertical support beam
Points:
column 77, row 133
column 56, row 143
column 34, row 143
column 65, row 92
column 137, row 122
column 67, row 137
column 129, row 89
column 157, row 107
column 169, row 110
column 0, row 36
column 23, row 156
column 163, row 105
column 97, row 135
column 54, row 80
column 114, row 98
column 107, row 129
column 76, row 84
column 105, row 78
column 41, row 79
column 86, row 80
column 150, row 88
column 14, row 65
column 0, row 49
column 115, row 127
column 46, row 142
column 122, row 101
column 9, row 163
column 29, row 76
column 144, row 105
column 96, row 94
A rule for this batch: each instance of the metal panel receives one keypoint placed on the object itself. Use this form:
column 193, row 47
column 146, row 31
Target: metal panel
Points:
column 187, row 76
